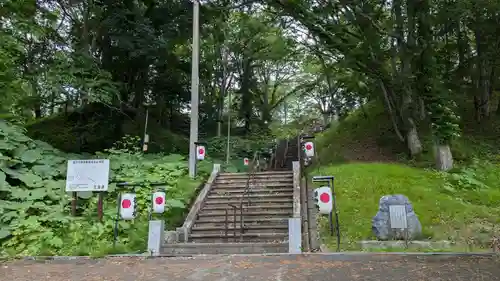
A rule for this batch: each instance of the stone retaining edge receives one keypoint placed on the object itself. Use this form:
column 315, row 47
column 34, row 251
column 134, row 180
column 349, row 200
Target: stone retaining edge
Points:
column 338, row 255
column 183, row 232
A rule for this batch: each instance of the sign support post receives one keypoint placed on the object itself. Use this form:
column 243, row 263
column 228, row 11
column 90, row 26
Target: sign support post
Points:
column 100, row 200
column 74, row 198
column 117, row 218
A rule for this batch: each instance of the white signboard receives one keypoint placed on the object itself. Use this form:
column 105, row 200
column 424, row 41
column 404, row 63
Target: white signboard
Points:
column 397, row 215
column 87, row 175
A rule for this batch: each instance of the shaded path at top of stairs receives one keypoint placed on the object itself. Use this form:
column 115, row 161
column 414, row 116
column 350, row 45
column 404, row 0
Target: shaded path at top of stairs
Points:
column 286, row 152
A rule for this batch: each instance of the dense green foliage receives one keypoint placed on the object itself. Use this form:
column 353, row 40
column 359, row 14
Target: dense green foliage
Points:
column 35, row 210
column 91, row 129
column 90, row 69
column 426, row 61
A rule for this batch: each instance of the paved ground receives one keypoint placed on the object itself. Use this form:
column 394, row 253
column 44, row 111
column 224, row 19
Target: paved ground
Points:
column 260, row 268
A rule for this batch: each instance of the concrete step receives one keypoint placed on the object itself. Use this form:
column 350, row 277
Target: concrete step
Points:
column 246, row 213
column 252, row 196
column 270, row 175
column 258, row 173
column 231, row 226
column 220, row 221
column 258, row 182
column 261, row 206
column 266, row 181
column 256, row 201
column 187, row 249
column 252, row 186
column 251, row 211
column 245, row 237
column 251, row 191
column 248, row 230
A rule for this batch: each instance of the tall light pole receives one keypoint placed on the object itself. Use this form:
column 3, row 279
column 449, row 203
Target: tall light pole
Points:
column 195, row 98
column 228, row 152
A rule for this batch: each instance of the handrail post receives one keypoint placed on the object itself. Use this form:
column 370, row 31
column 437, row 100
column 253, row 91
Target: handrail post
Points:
column 227, row 228
column 241, row 224
column 246, row 194
column 234, row 220
column 234, row 224
column 246, row 197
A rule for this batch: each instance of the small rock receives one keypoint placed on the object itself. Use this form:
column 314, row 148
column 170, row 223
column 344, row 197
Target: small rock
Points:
column 381, row 225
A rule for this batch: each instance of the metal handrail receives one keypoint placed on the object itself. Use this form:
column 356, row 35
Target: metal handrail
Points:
column 234, row 220
column 253, row 168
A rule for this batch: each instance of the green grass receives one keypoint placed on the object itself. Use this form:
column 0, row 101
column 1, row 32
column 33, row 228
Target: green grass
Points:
column 461, row 206
column 444, row 216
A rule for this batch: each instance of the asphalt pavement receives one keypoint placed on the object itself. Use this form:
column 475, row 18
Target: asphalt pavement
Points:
column 380, row 267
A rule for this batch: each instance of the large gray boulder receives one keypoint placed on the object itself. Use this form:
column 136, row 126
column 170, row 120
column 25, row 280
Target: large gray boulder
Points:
column 381, row 224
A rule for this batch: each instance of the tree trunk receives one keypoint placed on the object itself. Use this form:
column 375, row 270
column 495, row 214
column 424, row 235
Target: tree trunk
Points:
column 412, row 139
column 426, row 84
column 363, row 110
column 443, row 157
column 421, row 109
column 495, row 102
column 326, row 118
column 390, row 110
column 246, row 92
column 37, row 106
column 483, row 80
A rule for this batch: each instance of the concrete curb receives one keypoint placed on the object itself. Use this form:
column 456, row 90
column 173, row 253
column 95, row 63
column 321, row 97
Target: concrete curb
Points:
column 337, row 255
column 349, row 254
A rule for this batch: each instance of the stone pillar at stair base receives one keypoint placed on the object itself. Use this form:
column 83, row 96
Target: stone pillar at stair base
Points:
column 182, row 234
column 305, row 218
column 312, row 217
column 294, row 236
column 295, row 223
column 296, row 189
column 156, row 236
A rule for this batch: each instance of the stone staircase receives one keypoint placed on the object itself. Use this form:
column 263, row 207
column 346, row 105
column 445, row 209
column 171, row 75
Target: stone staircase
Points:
column 267, row 206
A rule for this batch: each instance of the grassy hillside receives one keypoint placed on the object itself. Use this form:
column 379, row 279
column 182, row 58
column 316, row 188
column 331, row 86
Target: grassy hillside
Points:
column 368, row 162
column 371, row 137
